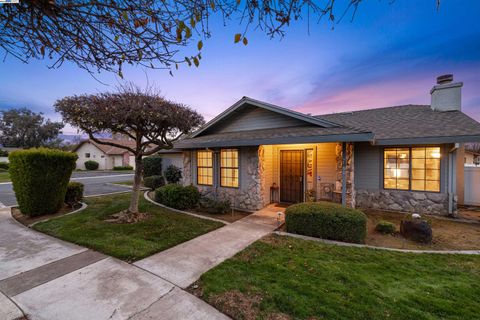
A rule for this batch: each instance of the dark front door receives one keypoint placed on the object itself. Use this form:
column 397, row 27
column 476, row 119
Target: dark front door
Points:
column 291, row 176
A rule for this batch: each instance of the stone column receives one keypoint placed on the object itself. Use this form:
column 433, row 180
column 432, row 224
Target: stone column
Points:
column 349, row 172
column 187, row 168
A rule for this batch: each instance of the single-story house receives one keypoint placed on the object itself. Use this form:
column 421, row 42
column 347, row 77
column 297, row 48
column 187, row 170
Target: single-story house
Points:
column 106, row 156
column 401, row 158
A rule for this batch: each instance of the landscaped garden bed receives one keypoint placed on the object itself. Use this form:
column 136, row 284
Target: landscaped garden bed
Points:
column 280, row 277
column 230, row 216
column 448, row 234
column 161, row 229
column 29, row 220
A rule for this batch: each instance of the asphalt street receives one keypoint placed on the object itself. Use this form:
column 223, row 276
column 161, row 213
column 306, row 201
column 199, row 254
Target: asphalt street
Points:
column 95, row 183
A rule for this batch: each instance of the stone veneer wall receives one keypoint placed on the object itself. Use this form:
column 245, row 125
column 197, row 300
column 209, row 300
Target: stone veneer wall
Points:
column 408, row 201
column 249, row 196
column 349, row 174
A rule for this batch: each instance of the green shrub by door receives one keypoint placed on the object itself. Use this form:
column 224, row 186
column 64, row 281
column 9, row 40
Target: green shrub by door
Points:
column 327, row 220
column 40, row 178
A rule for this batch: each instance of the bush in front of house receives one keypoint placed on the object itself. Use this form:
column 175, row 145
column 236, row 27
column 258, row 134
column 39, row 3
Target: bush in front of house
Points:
column 40, row 178
column 214, row 206
column 173, row 174
column 385, row 227
column 91, row 165
column 4, row 166
column 152, row 166
column 122, row 168
column 74, row 193
column 154, row 182
column 178, row 196
column 327, row 220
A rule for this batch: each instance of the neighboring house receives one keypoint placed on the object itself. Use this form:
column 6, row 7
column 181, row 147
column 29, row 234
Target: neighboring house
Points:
column 472, row 158
column 401, row 158
column 106, row 156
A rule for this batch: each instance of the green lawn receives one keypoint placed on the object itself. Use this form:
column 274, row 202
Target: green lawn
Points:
column 4, row 176
column 129, row 242
column 285, row 278
column 125, row 183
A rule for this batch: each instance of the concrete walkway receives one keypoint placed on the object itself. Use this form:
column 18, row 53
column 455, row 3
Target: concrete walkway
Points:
column 46, row 278
column 185, row 263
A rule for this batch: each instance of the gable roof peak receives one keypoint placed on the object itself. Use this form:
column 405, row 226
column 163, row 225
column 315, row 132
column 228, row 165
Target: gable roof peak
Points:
column 267, row 106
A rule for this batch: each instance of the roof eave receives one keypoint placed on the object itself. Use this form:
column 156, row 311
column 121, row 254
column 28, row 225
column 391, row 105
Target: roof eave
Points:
column 355, row 137
column 427, row 140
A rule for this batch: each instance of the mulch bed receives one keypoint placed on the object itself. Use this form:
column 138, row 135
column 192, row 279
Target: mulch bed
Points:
column 27, row 221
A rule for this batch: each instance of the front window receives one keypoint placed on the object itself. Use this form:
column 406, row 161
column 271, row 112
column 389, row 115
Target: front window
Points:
column 87, row 155
column 205, row 167
column 229, row 168
column 416, row 168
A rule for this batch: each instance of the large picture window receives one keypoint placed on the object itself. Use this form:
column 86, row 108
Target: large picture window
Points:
column 416, row 168
column 229, row 168
column 205, row 167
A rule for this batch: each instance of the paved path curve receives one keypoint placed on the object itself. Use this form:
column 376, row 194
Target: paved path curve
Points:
column 49, row 279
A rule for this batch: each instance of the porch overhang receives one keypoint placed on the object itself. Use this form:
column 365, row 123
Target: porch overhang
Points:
column 275, row 136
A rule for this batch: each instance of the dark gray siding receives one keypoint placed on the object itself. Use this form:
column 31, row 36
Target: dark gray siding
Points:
column 367, row 166
column 256, row 118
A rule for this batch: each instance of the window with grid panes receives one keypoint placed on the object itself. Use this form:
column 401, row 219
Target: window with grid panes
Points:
column 205, row 168
column 229, row 168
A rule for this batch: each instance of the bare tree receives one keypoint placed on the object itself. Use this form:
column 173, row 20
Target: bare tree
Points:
column 147, row 118
column 101, row 35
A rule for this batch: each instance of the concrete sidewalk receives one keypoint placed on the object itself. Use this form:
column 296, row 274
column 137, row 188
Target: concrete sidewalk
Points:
column 48, row 279
column 185, row 263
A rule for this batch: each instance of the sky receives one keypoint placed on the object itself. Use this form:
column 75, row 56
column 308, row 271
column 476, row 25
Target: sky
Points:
column 389, row 54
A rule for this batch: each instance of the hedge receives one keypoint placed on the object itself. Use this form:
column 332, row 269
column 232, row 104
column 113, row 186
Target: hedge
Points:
column 154, row 182
column 91, row 165
column 4, row 166
column 120, row 168
column 152, row 166
column 177, row 196
column 327, row 220
column 74, row 193
column 40, row 178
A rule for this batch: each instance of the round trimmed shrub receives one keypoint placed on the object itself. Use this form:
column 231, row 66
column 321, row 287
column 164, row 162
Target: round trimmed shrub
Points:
column 327, row 220
column 173, row 174
column 385, row 227
column 152, row 166
column 74, row 193
column 154, row 182
column 40, row 178
column 91, row 165
column 177, row 196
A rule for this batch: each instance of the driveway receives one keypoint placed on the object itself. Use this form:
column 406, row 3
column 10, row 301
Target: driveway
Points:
column 47, row 278
column 96, row 182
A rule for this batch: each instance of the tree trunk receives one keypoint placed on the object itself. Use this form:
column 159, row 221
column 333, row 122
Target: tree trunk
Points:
column 137, row 180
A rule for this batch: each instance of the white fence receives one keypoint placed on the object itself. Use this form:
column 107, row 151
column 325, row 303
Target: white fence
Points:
column 472, row 186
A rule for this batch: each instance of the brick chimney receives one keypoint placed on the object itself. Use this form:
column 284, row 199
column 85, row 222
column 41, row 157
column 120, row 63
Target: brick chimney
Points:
column 446, row 95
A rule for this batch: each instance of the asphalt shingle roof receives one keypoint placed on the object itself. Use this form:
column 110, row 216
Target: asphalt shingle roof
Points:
column 264, row 134
column 409, row 121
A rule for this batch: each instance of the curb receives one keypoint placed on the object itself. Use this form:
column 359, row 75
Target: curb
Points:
column 83, row 207
column 356, row 245
column 184, row 212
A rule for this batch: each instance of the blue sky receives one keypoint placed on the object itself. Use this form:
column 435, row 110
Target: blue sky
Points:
column 389, row 55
